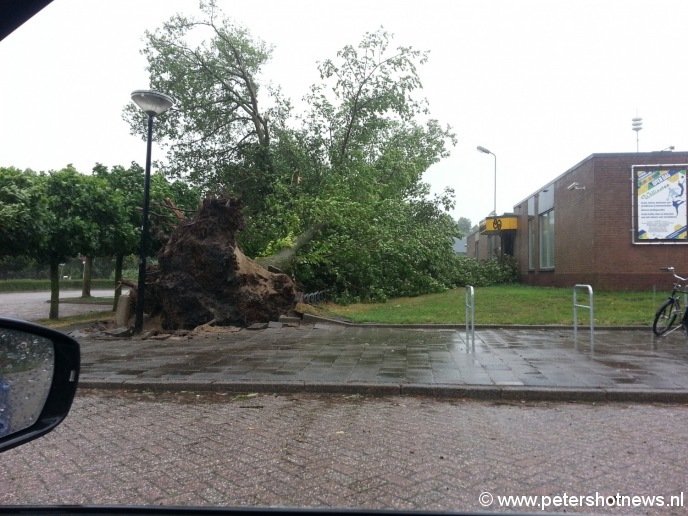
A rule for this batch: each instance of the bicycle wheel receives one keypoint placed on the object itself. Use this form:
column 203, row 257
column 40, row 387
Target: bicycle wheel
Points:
column 665, row 317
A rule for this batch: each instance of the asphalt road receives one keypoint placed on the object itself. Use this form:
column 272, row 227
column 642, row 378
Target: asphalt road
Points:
column 32, row 306
column 353, row 451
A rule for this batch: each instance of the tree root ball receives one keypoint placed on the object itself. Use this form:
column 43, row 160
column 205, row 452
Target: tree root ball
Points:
column 203, row 276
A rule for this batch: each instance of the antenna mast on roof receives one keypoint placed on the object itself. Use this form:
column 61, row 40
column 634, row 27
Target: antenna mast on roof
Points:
column 637, row 125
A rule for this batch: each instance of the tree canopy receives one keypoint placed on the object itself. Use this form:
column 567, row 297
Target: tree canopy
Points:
column 22, row 212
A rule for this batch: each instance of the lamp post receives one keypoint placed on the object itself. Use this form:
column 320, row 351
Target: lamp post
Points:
column 486, row 151
column 153, row 103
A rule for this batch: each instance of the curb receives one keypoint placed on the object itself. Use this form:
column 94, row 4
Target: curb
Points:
column 440, row 391
column 318, row 319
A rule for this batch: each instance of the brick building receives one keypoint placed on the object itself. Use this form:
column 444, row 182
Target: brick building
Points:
column 610, row 221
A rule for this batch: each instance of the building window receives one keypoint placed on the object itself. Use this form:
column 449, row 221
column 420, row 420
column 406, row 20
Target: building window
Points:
column 493, row 248
column 531, row 243
column 546, row 225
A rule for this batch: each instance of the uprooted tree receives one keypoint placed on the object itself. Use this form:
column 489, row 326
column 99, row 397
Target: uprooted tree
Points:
column 342, row 181
column 203, row 277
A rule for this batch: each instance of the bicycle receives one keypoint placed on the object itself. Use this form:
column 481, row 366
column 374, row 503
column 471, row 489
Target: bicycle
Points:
column 671, row 310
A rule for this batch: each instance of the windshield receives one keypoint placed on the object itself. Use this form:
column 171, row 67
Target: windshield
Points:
column 374, row 255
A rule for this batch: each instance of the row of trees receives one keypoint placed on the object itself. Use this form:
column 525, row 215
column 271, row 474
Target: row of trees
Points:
column 50, row 217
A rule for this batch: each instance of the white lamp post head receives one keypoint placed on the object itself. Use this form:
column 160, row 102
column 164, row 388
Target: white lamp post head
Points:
column 483, row 149
column 152, row 102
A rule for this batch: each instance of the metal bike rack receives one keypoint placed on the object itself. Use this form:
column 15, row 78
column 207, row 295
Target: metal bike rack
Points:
column 470, row 317
column 590, row 307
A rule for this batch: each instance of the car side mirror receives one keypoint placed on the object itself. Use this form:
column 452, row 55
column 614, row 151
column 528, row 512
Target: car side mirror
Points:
column 39, row 372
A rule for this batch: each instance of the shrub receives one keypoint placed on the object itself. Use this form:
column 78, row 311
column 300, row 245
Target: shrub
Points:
column 496, row 271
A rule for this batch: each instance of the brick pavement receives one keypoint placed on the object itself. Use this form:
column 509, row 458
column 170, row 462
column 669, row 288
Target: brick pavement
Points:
column 120, row 447
column 507, row 363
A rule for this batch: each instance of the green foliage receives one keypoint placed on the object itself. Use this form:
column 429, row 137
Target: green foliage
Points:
column 12, row 267
column 209, row 66
column 379, row 251
column 127, row 184
column 496, row 271
column 49, row 218
column 384, row 236
column 84, row 216
column 23, row 267
column 464, row 226
column 22, row 212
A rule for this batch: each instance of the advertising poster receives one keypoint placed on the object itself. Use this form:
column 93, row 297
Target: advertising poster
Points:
column 660, row 202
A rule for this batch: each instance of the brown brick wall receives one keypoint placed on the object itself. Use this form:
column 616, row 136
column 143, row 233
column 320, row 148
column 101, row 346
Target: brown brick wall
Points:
column 593, row 229
column 574, row 211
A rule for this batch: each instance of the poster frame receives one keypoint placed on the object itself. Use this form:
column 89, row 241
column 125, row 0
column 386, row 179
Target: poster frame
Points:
column 681, row 235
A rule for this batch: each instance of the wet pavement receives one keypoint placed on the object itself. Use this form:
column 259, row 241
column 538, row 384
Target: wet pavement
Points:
column 351, row 451
column 625, row 365
column 33, row 306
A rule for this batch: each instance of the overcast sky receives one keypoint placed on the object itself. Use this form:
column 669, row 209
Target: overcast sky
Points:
column 541, row 83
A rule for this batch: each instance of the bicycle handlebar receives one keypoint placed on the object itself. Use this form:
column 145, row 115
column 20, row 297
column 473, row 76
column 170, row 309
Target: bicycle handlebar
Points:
column 673, row 271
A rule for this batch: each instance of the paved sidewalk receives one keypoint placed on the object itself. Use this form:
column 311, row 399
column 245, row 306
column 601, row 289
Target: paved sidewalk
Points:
column 542, row 364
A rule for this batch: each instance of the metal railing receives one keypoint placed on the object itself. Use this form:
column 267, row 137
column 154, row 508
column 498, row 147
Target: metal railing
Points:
column 470, row 317
column 591, row 307
column 315, row 298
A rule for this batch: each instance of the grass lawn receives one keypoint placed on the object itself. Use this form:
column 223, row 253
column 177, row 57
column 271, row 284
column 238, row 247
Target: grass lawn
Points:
column 87, row 300
column 506, row 304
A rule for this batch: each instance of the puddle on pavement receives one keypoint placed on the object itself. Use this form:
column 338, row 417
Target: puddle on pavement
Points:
column 617, row 364
column 624, row 380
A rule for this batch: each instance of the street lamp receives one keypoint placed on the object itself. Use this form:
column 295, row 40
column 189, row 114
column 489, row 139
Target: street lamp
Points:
column 486, row 151
column 153, row 103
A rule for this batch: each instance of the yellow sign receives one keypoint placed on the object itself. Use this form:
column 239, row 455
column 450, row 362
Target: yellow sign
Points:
column 497, row 224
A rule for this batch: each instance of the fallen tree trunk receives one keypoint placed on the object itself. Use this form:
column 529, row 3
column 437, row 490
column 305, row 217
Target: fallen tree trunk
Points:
column 283, row 260
column 202, row 275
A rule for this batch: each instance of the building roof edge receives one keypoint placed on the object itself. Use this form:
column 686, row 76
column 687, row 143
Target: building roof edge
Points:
column 597, row 155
